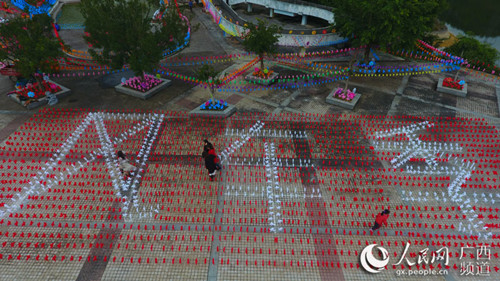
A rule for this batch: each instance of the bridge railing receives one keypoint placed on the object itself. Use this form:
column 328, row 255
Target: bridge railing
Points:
column 229, row 14
column 310, row 4
column 301, row 38
column 293, row 6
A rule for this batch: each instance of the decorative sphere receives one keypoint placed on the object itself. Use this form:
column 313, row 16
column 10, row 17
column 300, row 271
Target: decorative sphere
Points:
column 266, row 71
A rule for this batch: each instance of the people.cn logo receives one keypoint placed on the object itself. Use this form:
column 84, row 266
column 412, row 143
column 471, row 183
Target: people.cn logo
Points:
column 372, row 264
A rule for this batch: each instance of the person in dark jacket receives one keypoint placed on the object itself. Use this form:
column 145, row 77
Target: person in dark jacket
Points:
column 211, row 159
column 381, row 219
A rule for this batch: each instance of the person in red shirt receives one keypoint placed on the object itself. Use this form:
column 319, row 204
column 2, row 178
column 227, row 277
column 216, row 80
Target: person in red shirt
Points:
column 212, row 162
column 381, row 219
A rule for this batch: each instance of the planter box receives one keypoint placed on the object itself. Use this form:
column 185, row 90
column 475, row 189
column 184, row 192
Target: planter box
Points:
column 41, row 101
column 342, row 103
column 261, row 81
column 143, row 95
column 447, row 90
column 214, row 113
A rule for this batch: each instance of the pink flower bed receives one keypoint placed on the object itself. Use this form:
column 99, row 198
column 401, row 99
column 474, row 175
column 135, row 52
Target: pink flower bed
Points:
column 348, row 96
column 136, row 83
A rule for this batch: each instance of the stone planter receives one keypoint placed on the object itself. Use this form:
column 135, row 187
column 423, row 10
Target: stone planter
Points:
column 342, row 103
column 143, row 95
column 230, row 109
column 261, row 81
column 41, row 101
column 447, row 90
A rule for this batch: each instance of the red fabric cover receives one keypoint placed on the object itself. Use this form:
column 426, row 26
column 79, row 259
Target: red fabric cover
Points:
column 382, row 219
column 212, row 152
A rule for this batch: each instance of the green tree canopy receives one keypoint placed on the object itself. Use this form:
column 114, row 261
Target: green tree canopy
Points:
column 121, row 32
column 473, row 50
column 482, row 19
column 261, row 39
column 398, row 23
column 30, row 44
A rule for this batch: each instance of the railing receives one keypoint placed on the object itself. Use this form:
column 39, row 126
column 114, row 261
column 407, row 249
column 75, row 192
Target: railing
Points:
column 303, row 38
column 320, row 11
column 310, row 4
column 227, row 9
column 55, row 9
column 233, row 17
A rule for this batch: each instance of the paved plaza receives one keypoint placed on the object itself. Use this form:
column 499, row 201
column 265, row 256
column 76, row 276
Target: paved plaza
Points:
column 301, row 184
column 295, row 199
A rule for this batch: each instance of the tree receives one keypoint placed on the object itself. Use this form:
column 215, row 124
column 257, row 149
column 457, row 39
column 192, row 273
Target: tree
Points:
column 30, row 44
column 396, row 23
column 349, row 72
column 122, row 32
column 209, row 75
column 261, row 39
column 472, row 49
column 481, row 19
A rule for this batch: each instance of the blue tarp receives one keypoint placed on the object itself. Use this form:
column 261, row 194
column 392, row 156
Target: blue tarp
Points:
column 45, row 8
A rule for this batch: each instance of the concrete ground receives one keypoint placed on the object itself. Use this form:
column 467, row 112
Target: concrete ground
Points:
column 294, row 201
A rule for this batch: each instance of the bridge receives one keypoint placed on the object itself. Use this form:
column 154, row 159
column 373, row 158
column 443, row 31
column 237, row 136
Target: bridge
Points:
column 232, row 24
column 290, row 8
